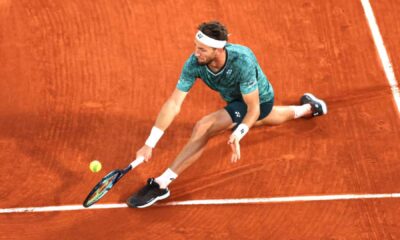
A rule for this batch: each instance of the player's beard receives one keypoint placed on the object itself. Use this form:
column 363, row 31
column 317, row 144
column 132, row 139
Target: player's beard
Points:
column 206, row 61
column 203, row 63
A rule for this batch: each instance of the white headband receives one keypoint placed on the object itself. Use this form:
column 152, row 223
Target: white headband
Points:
column 206, row 40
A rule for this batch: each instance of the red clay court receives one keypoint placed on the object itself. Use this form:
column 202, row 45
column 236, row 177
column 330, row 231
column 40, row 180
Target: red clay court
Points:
column 84, row 80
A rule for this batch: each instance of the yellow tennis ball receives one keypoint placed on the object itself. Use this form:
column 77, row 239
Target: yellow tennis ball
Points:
column 95, row 166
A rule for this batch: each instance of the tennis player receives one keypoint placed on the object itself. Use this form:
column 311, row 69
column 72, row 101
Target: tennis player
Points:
column 233, row 71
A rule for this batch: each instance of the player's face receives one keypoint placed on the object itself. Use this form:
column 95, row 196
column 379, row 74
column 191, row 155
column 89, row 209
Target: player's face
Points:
column 203, row 53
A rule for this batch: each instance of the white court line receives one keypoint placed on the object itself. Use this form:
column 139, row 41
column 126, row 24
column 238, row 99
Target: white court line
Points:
column 387, row 66
column 209, row 202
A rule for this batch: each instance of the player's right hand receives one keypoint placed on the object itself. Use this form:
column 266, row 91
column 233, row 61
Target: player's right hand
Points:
column 145, row 151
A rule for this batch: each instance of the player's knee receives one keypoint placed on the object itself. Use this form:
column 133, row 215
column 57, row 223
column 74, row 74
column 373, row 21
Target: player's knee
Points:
column 202, row 128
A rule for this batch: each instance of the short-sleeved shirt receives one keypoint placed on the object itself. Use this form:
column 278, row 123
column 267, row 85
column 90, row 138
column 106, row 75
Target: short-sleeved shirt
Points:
column 241, row 74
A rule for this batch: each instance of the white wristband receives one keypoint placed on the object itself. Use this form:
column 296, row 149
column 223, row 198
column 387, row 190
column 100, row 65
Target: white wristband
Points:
column 155, row 135
column 240, row 131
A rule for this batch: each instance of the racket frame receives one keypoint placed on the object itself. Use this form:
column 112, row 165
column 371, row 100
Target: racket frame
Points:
column 119, row 174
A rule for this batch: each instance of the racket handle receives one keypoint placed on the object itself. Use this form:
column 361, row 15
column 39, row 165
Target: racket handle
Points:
column 137, row 162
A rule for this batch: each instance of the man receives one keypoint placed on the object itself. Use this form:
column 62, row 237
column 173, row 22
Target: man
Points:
column 234, row 72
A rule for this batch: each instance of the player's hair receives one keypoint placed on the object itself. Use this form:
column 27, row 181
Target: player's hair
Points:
column 214, row 29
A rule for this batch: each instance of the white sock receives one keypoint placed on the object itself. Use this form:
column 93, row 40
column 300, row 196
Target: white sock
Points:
column 300, row 111
column 166, row 178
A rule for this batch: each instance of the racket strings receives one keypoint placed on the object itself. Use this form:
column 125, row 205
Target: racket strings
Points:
column 106, row 184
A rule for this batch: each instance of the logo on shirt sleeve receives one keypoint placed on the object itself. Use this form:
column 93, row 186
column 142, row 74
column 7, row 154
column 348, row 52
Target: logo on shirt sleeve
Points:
column 250, row 84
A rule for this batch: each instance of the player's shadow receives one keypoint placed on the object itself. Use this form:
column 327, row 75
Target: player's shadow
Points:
column 50, row 153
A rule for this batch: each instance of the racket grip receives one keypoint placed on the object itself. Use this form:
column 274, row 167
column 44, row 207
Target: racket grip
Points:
column 137, row 162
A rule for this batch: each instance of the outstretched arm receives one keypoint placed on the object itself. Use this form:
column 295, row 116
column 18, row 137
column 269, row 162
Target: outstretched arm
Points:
column 167, row 114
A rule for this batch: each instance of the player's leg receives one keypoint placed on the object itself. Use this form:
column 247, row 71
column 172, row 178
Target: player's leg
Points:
column 156, row 189
column 281, row 114
column 204, row 129
column 309, row 106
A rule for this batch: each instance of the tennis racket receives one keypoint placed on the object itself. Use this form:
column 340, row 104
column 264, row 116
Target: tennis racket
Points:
column 107, row 182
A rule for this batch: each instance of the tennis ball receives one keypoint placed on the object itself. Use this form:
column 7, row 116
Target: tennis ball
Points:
column 95, row 166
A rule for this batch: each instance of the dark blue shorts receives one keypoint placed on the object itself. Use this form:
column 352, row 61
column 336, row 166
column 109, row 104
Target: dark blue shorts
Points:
column 238, row 109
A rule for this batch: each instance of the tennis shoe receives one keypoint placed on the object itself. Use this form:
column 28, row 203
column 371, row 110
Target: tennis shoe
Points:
column 148, row 195
column 318, row 106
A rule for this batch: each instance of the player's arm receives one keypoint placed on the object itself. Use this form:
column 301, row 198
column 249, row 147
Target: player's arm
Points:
column 250, row 94
column 167, row 114
column 171, row 107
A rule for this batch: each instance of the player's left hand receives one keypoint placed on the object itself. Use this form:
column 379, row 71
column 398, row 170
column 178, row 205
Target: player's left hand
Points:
column 235, row 146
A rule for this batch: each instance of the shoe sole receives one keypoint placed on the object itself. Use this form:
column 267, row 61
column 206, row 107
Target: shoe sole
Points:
column 323, row 104
column 155, row 200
